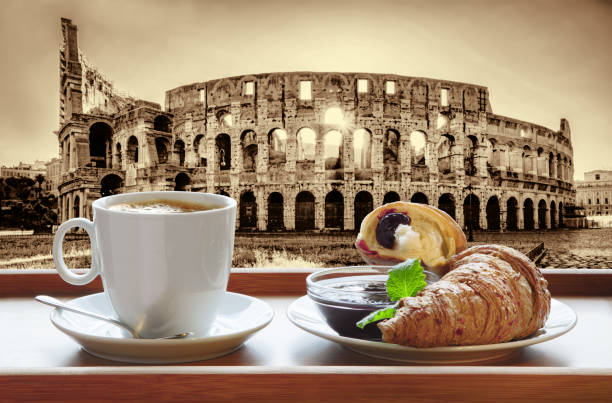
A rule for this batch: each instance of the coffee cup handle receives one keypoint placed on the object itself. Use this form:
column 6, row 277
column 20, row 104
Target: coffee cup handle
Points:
column 58, row 257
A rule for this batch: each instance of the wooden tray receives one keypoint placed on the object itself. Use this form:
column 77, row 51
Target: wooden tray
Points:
column 284, row 363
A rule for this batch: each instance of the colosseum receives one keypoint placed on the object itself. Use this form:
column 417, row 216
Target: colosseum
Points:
column 312, row 150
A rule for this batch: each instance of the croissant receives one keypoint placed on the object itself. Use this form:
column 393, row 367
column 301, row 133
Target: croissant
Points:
column 492, row 294
column 397, row 231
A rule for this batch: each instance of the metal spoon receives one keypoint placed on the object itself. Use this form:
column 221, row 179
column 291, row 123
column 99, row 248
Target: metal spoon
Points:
column 45, row 299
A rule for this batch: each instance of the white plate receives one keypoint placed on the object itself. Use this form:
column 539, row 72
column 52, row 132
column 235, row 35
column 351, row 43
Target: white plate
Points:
column 305, row 315
column 240, row 316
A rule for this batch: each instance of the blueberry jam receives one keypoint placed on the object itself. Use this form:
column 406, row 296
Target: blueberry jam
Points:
column 346, row 300
column 385, row 230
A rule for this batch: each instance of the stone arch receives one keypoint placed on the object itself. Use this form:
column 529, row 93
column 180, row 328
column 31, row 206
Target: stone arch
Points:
column 179, row 151
column 391, row 197
column 446, row 203
column 162, row 123
column 560, row 215
column 493, row 213
column 512, row 214
column 182, row 182
column 248, row 140
column 100, row 149
column 277, row 146
column 306, row 144
column 197, row 143
column 364, row 203
column 275, row 211
column 161, row 147
column 551, row 164
column 362, row 149
column 334, row 210
column 542, row 210
column 132, row 150
column 444, row 148
column 111, row 184
column 223, row 152
column 528, row 221
column 418, row 147
column 553, row 214
column 527, row 159
column 419, row 197
column 76, row 207
column 471, row 211
column 470, row 150
column 225, row 119
column 248, row 210
column 391, row 146
column 304, row 211
column 332, row 149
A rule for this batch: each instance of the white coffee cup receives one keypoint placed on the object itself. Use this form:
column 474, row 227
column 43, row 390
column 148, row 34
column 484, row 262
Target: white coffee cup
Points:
column 163, row 273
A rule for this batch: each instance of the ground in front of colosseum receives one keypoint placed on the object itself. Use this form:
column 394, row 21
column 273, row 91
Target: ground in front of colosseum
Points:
column 586, row 248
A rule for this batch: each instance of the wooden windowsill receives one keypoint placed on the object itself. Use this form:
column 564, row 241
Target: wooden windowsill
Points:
column 284, row 363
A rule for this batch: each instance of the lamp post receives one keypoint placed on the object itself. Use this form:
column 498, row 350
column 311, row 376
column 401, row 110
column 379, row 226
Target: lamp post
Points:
column 470, row 223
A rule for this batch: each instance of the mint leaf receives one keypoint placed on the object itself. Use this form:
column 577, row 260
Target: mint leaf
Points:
column 405, row 280
column 380, row 314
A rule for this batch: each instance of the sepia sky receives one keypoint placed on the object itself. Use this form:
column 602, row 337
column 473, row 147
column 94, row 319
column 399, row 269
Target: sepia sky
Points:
column 542, row 60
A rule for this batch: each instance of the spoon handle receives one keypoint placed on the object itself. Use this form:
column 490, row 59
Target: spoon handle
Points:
column 45, row 299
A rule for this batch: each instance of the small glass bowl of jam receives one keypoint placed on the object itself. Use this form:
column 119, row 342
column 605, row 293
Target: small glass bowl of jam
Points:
column 345, row 295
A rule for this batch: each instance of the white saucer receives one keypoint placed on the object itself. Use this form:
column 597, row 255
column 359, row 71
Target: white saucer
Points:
column 240, row 316
column 305, row 315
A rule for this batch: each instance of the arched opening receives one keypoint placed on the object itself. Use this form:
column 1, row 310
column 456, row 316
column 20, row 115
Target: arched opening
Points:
column 304, row 211
column 223, row 193
column 528, row 222
column 364, row 203
column 118, row 158
column 334, row 210
column 249, row 151
column 277, row 147
column 110, row 185
column 445, row 144
column 553, row 215
column 225, row 119
column 527, row 160
column 446, row 203
column 332, row 149
column 306, row 144
column 248, row 210
column 391, row 146
column 179, row 151
column 182, row 181
column 132, row 150
column 560, row 215
column 551, row 165
column 470, row 155
column 391, row 197
column 418, row 142
column 199, row 149
column 76, row 207
column 419, row 197
column 542, row 214
column 100, row 150
column 161, row 146
column 471, row 211
column 161, row 123
column 493, row 220
column 275, row 212
column 512, row 214
column 362, row 149
column 559, row 167
column 223, row 152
